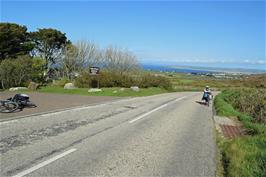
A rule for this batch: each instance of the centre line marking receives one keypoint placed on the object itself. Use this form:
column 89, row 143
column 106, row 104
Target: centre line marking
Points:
column 23, row 173
column 156, row 109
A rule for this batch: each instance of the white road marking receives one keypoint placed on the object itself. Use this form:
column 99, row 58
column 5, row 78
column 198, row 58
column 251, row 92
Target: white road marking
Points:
column 156, row 109
column 23, row 173
column 11, row 121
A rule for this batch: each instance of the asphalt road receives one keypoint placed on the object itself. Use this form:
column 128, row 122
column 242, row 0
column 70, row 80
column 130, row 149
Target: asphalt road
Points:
column 50, row 102
column 162, row 135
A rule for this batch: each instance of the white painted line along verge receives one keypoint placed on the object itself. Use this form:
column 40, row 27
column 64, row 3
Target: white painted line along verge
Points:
column 23, row 173
column 11, row 121
column 156, row 109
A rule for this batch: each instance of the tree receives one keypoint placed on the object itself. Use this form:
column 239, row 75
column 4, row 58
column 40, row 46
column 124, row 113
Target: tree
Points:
column 49, row 45
column 14, row 41
column 119, row 60
column 88, row 53
column 70, row 61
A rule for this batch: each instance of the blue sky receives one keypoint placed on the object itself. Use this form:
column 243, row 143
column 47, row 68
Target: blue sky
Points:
column 200, row 33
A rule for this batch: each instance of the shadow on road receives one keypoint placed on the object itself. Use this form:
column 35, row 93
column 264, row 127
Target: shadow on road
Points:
column 201, row 103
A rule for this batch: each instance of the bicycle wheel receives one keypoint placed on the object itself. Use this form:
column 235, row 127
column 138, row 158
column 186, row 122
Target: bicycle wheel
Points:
column 8, row 106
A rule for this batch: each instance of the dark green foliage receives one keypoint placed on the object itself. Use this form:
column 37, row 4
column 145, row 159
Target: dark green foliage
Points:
column 107, row 79
column 115, row 79
column 49, row 44
column 151, row 80
column 20, row 72
column 14, row 41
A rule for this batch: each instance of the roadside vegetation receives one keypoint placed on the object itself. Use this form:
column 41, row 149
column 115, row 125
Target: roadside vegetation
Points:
column 188, row 82
column 112, row 91
column 48, row 58
column 246, row 155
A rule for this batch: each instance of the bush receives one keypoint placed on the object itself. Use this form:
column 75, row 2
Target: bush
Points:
column 107, row 79
column 149, row 80
column 224, row 108
column 249, row 101
column 20, row 71
column 61, row 82
column 83, row 80
column 116, row 79
column 243, row 156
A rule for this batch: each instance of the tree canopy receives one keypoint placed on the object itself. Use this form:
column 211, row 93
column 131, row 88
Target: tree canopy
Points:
column 49, row 44
column 14, row 40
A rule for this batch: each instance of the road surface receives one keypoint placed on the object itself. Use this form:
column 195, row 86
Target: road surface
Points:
column 162, row 135
column 50, row 102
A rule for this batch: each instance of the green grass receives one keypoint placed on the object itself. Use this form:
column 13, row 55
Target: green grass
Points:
column 220, row 170
column 106, row 91
column 246, row 156
column 223, row 108
column 243, row 156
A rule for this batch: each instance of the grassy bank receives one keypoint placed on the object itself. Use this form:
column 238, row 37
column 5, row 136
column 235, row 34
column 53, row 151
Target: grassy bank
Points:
column 243, row 156
column 114, row 91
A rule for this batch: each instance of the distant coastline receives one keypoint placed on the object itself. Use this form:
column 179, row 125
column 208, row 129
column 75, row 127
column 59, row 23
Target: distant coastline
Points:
column 195, row 69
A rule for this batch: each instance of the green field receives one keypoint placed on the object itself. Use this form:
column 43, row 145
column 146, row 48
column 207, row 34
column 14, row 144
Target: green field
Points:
column 185, row 82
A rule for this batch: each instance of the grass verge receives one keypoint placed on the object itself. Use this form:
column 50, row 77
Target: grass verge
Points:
column 243, row 156
column 114, row 91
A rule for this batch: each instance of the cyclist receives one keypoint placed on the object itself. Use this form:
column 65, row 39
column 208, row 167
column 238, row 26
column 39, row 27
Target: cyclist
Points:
column 206, row 94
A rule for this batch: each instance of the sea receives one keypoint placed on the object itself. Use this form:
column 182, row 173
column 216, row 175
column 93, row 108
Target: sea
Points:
column 174, row 69
column 198, row 70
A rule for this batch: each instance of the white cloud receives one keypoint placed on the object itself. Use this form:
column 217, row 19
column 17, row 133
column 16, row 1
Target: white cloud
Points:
column 168, row 57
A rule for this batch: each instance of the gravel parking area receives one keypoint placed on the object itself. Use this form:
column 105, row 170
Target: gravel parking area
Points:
column 47, row 102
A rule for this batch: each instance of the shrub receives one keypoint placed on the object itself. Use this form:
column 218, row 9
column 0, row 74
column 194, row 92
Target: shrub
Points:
column 107, row 79
column 83, row 80
column 61, row 82
column 116, row 79
column 149, row 80
column 20, row 71
column 225, row 108
column 249, row 101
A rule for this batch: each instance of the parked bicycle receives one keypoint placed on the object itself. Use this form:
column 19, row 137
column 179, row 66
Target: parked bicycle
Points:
column 19, row 101
column 8, row 106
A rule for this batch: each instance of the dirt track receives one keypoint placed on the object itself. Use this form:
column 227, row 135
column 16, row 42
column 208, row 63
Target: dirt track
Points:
column 50, row 102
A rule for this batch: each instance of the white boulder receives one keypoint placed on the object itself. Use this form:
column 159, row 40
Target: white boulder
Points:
column 135, row 88
column 94, row 90
column 69, row 86
column 17, row 88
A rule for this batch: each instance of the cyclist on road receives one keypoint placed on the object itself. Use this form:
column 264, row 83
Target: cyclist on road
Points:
column 206, row 94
